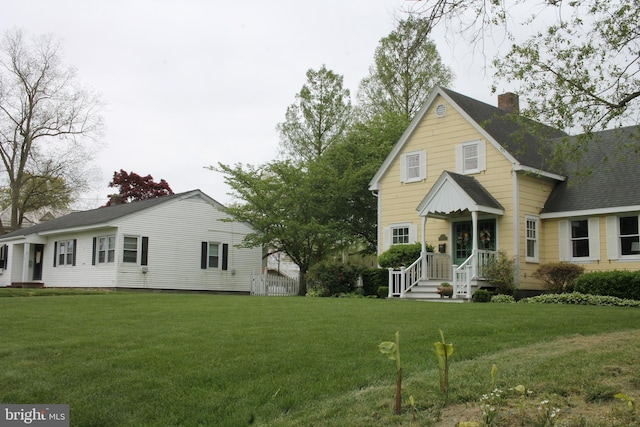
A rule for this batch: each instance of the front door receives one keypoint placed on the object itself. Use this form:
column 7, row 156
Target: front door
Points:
column 462, row 241
column 37, row 262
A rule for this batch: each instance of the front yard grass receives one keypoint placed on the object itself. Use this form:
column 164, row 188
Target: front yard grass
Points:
column 147, row 359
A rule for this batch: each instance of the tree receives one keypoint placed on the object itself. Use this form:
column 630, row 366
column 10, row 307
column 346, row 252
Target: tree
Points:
column 43, row 112
column 318, row 118
column 134, row 187
column 578, row 70
column 288, row 209
column 406, row 67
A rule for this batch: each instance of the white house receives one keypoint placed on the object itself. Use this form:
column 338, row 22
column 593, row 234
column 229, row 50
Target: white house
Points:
column 182, row 241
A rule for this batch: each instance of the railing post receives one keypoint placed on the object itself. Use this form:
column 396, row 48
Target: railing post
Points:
column 454, row 269
column 403, row 281
column 390, row 293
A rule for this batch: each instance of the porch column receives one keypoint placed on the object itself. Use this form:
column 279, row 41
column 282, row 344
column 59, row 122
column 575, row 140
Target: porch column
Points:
column 25, row 262
column 423, row 250
column 474, row 244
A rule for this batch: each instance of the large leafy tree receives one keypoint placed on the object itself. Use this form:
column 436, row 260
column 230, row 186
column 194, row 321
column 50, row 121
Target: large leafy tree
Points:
column 133, row 188
column 318, row 118
column 45, row 116
column 406, row 67
column 288, row 209
column 579, row 67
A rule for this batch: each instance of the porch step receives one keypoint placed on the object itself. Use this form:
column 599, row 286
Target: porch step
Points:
column 426, row 291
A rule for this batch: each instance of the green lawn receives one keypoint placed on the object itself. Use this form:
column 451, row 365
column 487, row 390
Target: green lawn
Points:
column 136, row 359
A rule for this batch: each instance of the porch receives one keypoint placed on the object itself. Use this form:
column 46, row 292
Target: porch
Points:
column 422, row 278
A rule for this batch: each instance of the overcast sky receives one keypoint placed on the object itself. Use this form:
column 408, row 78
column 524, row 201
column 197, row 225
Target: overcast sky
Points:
column 191, row 83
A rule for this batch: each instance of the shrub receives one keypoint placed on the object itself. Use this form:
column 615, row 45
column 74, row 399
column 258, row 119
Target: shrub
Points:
column 481, row 295
column 332, row 278
column 500, row 271
column 383, row 292
column 558, row 277
column 401, row 255
column 372, row 279
column 616, row 283
column 580, row 299
column 503, row 299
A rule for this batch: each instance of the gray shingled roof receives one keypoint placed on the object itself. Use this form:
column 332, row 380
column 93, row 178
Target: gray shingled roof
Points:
column 514, row 133
column 92, row 217
column 475, row 190
column 612, row 164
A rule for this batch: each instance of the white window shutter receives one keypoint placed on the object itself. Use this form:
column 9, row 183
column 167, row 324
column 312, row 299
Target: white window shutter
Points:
column 413, row 233
column 403, row 168
column 459, row 159
column 594, row 238
column 563, row 239
column 612, row 237
column 423, row 164
column 386, row 238
column 482, row 155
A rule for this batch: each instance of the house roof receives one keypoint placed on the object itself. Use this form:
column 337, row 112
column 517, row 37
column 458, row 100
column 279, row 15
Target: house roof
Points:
column 512, row 135
column 453, row 192
column 101, row 216
column 606, row 177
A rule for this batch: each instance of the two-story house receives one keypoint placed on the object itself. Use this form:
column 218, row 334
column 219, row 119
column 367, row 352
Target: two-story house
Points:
column 468, row 178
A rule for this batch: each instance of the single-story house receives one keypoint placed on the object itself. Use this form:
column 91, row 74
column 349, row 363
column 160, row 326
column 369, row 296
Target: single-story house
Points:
column 182, row 241
column 470, row 180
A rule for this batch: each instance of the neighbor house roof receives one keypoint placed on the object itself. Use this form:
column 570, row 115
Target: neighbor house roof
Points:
column 605, row 178
column 100, row 216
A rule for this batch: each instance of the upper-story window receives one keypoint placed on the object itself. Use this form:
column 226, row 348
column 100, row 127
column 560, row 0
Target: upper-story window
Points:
column 413, row 166
column 471, row 157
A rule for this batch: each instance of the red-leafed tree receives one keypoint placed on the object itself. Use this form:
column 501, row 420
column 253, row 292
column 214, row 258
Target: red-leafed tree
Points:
column 134, row 187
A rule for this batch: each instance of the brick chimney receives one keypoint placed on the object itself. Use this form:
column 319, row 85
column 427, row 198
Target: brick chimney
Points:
column 509, row 102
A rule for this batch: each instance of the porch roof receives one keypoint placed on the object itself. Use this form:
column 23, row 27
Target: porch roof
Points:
column 453, row 192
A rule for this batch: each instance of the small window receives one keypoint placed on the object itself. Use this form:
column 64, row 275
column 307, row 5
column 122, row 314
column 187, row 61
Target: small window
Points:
column 629, row 236
column 214, row 255
column 106, row 249
column 399, row 235
column 66, row 252
column 413, row 166
column 130, row 249
column 531, row 228
column 471, row 157
column 580, row 238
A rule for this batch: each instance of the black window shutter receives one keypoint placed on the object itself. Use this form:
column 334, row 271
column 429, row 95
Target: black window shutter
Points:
column 55, row 253
column 145, row 250
column 6, row 256
column 225, row 256
column 75, row 242
column 93, row 253
column 203, row 255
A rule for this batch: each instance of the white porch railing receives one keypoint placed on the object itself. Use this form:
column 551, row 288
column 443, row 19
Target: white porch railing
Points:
column 400, row 281
column 272, row 285
column 462, row 275
column 484, row 257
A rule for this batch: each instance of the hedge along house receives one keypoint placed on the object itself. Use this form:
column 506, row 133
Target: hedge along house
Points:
column 468, row 178
column 180, row 242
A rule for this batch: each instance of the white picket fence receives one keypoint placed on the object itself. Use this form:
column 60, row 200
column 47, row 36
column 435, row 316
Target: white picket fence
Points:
column 272, row 285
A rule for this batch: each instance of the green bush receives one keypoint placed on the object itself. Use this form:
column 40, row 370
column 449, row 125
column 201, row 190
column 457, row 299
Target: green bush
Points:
column 616, row 283
column 500, row 272
column 580, row 299
column 481, row 295
column 500, row 299
column 383, row 292
column 372, row 279
column 401, row 255
column 329, row 278
column 558, row 277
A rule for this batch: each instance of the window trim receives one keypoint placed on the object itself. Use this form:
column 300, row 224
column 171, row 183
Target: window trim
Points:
column 535, row 220
column 57, row 253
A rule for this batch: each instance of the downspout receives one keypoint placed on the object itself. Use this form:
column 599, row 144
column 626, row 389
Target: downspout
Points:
column 376, row 194
column 423, row 246
column 516, row 225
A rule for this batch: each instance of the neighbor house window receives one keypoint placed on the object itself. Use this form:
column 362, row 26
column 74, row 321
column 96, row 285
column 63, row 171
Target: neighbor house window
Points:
column 531, row 228
column 579, row 238
column 470, row 157
column 413, row 166
column 214, row 255
column 107, row 249
column 399, row 235
column 629, row 235
column 64, row 252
